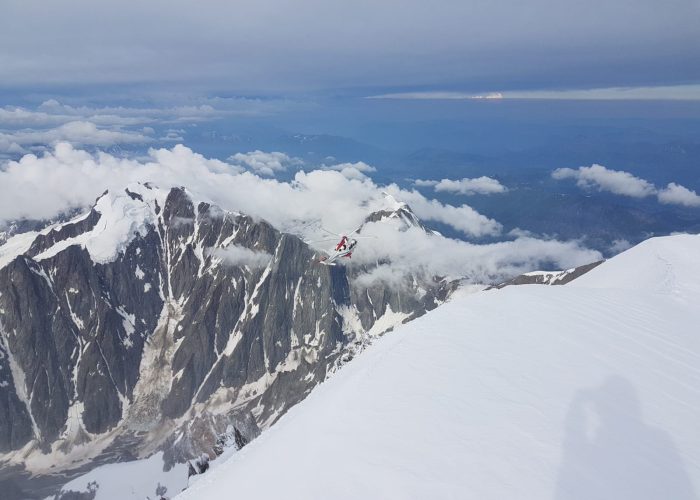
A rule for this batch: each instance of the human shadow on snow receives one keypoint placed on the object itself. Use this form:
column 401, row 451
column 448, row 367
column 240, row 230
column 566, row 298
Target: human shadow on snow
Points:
column 611, row 454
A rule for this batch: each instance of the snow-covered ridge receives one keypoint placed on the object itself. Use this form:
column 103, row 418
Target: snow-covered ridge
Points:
column 572, row 392
column 668, row 264
column 123, row 216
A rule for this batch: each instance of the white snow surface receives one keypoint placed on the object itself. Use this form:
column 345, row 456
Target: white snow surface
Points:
column 16, row 246
column 531, row 392
column 129, row 480
column 122, row 218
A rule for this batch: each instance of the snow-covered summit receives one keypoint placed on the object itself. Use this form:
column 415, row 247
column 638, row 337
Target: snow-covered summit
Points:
column 123, row 215
column 568, row 392
column 396, row 211
column 669, row 264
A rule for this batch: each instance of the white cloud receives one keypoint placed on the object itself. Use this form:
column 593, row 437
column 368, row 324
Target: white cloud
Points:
column 424, row 183
column 357, row 170
column 679, row 195
column 40, row 187
column 619, row 245
column 463, row 218
column 482, row 263
column 262, row 163
column 478, row 185
column 236, row 255
column 626, row 184
column 603, row 179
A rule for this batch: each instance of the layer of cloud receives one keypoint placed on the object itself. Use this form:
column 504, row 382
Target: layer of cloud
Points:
column 362, row 44
column 663, row 92
column 466, row 186
column 262, row 163
column 626, row 184
column 77, row 132
column 67, row 178
column 236, row 255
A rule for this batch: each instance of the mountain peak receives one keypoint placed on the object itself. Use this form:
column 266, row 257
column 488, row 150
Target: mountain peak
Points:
column 400, row 211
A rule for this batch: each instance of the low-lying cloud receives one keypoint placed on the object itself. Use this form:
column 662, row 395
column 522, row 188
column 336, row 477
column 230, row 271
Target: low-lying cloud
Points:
column 626, row 184
column 679, row 195
column 604, row 179
column 262, row 163
column 39, row 187
column 481, row 263
column 77, row 132
column 236, row 255
column 357, row 170
column 466, row 186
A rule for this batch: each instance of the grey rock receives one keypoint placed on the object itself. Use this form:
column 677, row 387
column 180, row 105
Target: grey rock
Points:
column 170, row 345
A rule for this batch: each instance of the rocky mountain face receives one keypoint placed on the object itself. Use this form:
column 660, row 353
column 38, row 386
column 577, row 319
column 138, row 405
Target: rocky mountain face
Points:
column 549, row 277
column 155, row 322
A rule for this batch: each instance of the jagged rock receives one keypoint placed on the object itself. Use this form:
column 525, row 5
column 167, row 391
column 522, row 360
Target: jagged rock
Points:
column 133, row 318
column 548, row 277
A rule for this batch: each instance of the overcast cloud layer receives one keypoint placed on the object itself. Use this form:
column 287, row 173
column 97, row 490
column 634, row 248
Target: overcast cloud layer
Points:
column 279, row 46
column 336, row 198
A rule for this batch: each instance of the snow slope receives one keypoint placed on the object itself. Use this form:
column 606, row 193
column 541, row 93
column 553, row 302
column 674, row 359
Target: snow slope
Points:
column 532, row 392
column 129, row 480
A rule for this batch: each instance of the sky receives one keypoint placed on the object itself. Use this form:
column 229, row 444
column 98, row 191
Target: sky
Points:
column 311, row 109
column 362, row 47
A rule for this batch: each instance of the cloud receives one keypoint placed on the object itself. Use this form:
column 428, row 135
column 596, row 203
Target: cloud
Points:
column 425, row 183
column 41, row 186
column 356, row 170
column 603, row 179
column 481, row 263
column 689, row 92
column 78, row 132
column 478, row 185
column 679, row 195
column 506, row 41
column 463, row 218
column 626, row 184
column 236, row 255
column 52, row 113
column 619, row 245
column 437, row 95
column 267, row 164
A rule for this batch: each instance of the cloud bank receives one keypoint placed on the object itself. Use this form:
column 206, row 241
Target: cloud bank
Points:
column 79, row 132
column 41, row 186
column 625, row 184
column 393, row 44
